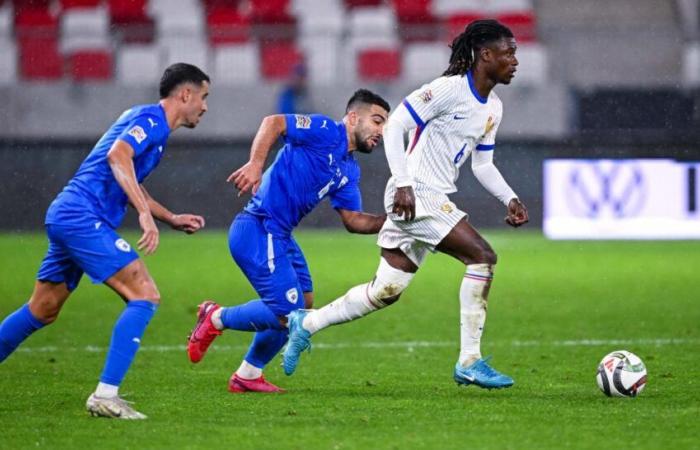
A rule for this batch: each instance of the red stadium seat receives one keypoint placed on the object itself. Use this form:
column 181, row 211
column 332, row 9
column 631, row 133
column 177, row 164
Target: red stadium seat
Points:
column 211, row 5
column 39, row 59
column 269, row 11
column 130, row 21
column 416, row 21
column 226, row 26
column 455, row 24
column 68, row 4
column 35, row 23
column 362, row 3
column 91, row 65
column 523, row 24
column 379, row 65
column 278, row 59
column 19, row 5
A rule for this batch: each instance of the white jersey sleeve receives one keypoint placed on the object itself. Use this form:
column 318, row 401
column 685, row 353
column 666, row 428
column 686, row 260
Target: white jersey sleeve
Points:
column 430, row 101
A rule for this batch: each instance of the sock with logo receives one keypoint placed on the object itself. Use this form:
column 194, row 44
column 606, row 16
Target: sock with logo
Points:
column 251, row 316
column 126, row 340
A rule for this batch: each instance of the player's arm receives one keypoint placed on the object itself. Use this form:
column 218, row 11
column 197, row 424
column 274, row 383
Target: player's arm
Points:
column 400, row 122
column 189, row 223
column 361, row 222
column 248, row 177
column 120, row 159
column 490, row 178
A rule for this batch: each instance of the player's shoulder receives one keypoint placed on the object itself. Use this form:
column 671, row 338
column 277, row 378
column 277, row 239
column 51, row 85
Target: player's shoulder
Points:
column 152, row 117
column 495, row 102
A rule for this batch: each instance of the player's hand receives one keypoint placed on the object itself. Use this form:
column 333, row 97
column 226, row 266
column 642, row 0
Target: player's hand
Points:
column 517, row 213
column 189, row 223
column 149, row 240
column 404, row 203
column 247, row 178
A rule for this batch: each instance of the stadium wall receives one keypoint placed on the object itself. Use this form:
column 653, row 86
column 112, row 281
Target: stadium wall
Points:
column 191, row 178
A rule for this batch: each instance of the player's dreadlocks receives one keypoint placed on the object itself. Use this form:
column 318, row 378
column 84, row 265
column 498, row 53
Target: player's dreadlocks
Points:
column 467, row 45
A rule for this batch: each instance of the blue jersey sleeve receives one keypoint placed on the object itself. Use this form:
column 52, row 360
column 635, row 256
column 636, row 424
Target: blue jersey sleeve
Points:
column 142, row 132
column 311, row 130
column 348, row 197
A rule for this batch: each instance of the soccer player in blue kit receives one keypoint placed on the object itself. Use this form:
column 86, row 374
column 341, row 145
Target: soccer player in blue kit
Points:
column 81, row 224
column 316, row 162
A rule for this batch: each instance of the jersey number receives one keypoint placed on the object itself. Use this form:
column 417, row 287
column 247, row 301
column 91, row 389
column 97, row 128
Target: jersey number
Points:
column 460, row 155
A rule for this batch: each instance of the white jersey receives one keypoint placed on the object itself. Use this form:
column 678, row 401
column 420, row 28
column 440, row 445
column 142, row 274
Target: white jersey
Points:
column 453, row 121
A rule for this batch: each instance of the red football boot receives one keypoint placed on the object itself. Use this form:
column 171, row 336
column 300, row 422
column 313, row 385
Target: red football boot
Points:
column 204, row 332
column 238, row 385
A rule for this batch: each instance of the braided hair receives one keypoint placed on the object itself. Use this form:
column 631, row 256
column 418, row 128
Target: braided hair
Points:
column 475, row 36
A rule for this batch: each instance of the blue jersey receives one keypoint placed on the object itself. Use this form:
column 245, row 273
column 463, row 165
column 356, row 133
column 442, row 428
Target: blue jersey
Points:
column 93, row 194
column 313, row 164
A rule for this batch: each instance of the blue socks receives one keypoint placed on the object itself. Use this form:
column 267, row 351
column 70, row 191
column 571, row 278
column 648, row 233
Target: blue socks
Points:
column 17, row 327
column 251, row 316
column 265, row 346
column 126, row 339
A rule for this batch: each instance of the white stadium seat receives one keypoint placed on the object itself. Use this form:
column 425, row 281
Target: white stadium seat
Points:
column 691, row 65
column 425, row 61
column 84, row 29
column 236, row 64
column 8, row 61
column 138, row 65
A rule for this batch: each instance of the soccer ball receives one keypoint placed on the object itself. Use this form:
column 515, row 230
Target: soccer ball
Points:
column 621, row 374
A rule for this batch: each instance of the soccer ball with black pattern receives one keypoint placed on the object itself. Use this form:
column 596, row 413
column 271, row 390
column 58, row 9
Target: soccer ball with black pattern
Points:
column 621, row 374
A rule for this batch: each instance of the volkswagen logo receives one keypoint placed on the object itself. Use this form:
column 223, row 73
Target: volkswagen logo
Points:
column 606, row 189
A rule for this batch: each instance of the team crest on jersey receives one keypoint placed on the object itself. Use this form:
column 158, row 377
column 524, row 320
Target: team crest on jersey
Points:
column 292, row 296
column 137, row 133
column 426, row 95
column 303, row 121
column 447, row 207
column 122, row 245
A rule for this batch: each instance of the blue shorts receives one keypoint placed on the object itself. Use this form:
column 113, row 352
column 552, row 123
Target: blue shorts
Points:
column 275, row 267
column 96, row 250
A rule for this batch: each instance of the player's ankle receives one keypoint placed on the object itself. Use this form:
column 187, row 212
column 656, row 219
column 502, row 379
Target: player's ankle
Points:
column 105, row 390
column 216, row 319
column 248, row 371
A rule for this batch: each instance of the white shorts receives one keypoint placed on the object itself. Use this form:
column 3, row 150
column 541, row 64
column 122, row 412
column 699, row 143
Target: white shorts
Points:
column 436, row 216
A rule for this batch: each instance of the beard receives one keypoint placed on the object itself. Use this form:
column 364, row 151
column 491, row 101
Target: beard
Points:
column 362, row 147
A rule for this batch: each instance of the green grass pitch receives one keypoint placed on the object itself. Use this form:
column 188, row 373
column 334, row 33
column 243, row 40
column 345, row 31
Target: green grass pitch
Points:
column 385, row 381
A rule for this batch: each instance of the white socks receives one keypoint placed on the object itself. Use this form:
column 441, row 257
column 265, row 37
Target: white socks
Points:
column 105, row 390
column 353, row 305
column 473, row 296
column 249, row 371
column 216, row 320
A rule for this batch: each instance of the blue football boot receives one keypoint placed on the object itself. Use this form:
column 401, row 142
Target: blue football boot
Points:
column 299, row 340
column 482, row 375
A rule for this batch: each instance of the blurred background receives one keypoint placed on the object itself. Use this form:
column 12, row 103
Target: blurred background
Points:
column 598, row 80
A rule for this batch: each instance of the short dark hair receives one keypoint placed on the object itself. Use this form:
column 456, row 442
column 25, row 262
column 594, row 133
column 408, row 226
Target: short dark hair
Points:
column 367, row 97
column 179, row 73
column 476, row 36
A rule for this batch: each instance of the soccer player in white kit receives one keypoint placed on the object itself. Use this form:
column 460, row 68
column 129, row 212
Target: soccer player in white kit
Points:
column 448, row 120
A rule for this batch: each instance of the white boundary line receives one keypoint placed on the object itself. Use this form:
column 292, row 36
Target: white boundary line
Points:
column 407, row 345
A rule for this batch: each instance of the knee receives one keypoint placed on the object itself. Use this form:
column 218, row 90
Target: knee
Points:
column 150, row 293
column 388, row 284
column 485, row 255
column 45, row 310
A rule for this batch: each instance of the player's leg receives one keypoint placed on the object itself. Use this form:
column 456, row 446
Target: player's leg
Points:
column 266, row 344
column 56, row 278
column 43, row 308
column 464, row 243
column 107, row 258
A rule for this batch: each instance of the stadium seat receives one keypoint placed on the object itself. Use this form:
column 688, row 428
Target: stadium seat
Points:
column 278, row 59
column 19, row 5
column 422, row 62
column 533, row 65
column 362, row 3
column 455, row 24
column 6, row 17
column 523, row 25
column 416, row 21
column 130, row 22
column 379, row 64
column 321, row 57
column 138, row 65
column 269, row 11
column 227, row 26
column 40, row 59
column 69, row 4
column 84, row 28
column 35, row 23
column 320, row 19
column 8, row 62
column 236, row 64
column 447, row 8
column 90, row 65
column 186, row 49
column 372, row 21
column 185, row 20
